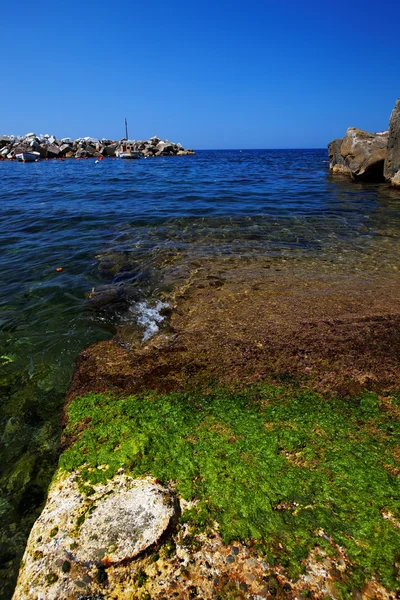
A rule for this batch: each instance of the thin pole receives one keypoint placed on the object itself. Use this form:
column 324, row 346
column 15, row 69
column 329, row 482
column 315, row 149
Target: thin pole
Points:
column 126, row 128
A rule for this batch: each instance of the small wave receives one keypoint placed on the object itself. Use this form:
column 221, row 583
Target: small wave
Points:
column 149, row 317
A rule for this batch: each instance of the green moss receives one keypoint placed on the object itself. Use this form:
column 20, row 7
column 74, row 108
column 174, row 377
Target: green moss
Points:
column 269, row 464
column 66, row 566
column 101, row 575
column 169, row 548
column 141, row 578
column 54, row 532
column 51, row 578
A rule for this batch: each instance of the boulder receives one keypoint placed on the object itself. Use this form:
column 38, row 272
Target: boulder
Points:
column 77, row 537
column 65, row 149
column 392, row 161
column 104, row 295
column 364, row 154
column 110, row 149
column 53, row 151
column 90, row 150
column 4, row 141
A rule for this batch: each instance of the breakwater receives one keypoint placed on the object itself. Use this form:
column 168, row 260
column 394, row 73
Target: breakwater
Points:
column 49, row 147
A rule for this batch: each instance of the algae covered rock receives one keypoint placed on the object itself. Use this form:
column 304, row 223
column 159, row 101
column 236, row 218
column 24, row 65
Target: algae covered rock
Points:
column 81, row 533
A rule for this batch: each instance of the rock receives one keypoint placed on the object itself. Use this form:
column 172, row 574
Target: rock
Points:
column 90, row 150
column 65, row 149
column 4, row 141
column 364, row 154
column 103, row 295
column 392, row 161
column 336, row 160
column 78, row 536
column 53, row 151
column 110, row 149
column 165, row 146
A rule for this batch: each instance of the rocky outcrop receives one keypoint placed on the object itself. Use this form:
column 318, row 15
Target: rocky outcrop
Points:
column 79, row 535
column 49, row 147
column 336, row 160
column 360, row 154
column 392, row 162
column 364, row 154
column 371, row 157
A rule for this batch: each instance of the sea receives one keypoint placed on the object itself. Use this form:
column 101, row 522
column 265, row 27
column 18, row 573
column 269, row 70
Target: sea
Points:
column 73, row 234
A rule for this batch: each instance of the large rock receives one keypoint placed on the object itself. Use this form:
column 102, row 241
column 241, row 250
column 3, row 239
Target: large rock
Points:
column 53, row 151
column 78, row 536
column 110, row 149
column 392, row 161
column 65, row 149
column 364, row 154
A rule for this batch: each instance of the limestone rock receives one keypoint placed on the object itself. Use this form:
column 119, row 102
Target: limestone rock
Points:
column 336, row 160
column 364, row 154
column 77, row 536
column 392, row 162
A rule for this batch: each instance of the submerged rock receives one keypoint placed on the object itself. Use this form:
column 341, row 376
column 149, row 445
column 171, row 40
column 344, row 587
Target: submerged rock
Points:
column 392, row 162
column 104, row 295
column 78, row 536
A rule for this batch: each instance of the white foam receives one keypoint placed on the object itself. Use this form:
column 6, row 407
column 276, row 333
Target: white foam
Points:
column 149, row 317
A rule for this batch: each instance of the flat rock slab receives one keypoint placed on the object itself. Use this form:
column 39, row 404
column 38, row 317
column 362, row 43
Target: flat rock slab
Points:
column 77, row 535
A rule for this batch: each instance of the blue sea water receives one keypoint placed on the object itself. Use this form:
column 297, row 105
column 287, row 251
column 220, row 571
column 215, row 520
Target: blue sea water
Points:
column 137, row 223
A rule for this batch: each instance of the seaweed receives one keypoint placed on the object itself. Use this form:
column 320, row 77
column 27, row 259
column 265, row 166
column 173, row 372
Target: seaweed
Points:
column 286, row 469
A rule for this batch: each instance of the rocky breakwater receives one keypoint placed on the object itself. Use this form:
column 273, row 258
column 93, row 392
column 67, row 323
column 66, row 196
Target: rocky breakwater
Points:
column 50, row 147
column 369, row 157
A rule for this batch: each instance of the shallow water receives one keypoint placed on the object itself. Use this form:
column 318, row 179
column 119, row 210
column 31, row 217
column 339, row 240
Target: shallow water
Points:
column 137, row 225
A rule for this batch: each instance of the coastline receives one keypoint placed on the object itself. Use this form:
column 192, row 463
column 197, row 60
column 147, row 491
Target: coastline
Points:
column 323, row 340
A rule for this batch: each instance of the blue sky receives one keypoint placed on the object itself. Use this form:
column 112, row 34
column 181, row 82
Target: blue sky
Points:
column 210, row 74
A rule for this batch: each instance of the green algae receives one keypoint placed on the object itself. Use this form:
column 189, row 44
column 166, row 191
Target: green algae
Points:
column 284, row 469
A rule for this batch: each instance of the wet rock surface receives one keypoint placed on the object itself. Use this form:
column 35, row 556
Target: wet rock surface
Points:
column 258, row 320
column 230, row 323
